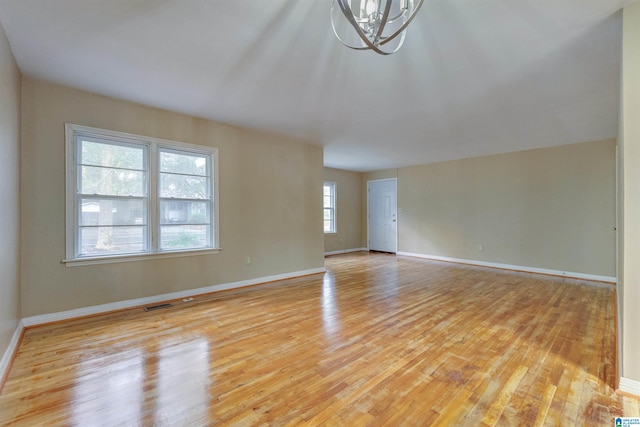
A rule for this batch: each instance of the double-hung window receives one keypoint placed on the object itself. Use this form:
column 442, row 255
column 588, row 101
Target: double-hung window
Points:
column 329, row 201
column 130, row 196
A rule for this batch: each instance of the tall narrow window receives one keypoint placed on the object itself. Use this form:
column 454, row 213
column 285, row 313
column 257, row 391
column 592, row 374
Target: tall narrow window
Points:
column 129, row 195
column 329, row 197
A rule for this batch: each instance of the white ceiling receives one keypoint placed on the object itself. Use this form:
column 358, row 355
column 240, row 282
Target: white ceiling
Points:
column 473, row 78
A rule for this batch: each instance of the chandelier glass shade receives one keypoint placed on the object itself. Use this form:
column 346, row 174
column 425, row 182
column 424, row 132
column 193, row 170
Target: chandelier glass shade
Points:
column 378, row 25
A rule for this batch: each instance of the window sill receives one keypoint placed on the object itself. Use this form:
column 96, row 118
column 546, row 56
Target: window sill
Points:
column 77, row 262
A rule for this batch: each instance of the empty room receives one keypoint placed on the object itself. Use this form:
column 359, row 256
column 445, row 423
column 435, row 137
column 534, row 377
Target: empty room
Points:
column 340, row 212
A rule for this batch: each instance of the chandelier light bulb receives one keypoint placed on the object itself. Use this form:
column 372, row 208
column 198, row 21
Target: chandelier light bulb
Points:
column 371, row 7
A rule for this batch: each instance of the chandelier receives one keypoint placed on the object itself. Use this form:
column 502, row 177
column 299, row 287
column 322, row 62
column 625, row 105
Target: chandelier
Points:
column 380, row 25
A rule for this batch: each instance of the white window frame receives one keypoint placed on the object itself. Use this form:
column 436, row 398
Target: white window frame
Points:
column 334, row 186
column 153, row 147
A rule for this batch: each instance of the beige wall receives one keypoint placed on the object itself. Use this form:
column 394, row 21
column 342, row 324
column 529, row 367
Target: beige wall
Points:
column 9, row 193
column 348, row 210
column 270, row 204
column 551, row 208
column 630, row 146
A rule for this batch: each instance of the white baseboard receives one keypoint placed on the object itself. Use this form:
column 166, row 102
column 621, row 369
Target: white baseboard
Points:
column 629, row 386
column 345, row 251
column 607, row 279
column 120, row 305
column 5, row 363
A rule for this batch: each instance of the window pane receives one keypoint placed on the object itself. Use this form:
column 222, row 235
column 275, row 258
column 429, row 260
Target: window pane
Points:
column 183, row 212
column 111, row 182
column 111, row 240
column 183, row 187
column 184, row 237
column 329, row 202
column 115, row 156
column 112, row 212
column 187, row 164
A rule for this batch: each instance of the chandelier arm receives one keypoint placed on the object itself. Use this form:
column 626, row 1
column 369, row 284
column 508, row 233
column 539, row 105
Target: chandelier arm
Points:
column 347, row 44
column 403, row 11
column 385, row 16
column 346, row 11
column 398, row 16
column 404, row 26
column 351, row 19
column 335, row 33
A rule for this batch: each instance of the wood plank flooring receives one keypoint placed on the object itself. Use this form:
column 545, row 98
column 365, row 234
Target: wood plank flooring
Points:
column 378, row 340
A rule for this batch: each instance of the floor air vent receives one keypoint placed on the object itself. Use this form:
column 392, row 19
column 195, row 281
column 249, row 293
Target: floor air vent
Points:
column 157, row 307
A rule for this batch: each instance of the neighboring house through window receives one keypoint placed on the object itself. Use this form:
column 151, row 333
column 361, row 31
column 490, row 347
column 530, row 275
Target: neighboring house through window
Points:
column 329, row 197
column 129, row 195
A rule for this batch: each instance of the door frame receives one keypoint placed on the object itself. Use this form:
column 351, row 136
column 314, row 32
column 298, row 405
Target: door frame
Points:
column 395, row 181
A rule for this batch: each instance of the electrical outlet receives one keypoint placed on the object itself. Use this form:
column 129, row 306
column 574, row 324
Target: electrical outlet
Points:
column 481, row 247
column 248, row 260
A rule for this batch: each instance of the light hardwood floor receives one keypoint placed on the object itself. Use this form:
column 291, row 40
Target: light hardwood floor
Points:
column 378, row 340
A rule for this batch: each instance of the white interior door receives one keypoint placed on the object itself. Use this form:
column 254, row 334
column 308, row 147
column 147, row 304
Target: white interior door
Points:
column 382, row 216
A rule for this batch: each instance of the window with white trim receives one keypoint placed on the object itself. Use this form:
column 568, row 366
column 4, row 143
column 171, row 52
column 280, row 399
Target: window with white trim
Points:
column 329, row 201
column 130, row 195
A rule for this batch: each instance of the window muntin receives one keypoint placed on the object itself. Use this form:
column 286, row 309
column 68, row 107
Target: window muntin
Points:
column 329, row 202
column 129, row 195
